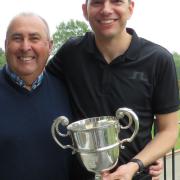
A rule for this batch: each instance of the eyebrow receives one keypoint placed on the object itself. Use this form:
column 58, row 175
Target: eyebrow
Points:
column 29, row 34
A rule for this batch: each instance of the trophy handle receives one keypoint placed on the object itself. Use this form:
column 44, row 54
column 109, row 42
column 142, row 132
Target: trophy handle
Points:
column 132, row 117
column 61, row 120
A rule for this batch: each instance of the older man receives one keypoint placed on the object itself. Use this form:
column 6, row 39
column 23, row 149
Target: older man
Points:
column 30, row 99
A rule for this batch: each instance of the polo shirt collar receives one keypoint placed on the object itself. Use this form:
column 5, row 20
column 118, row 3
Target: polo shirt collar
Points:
column 91, row 46
column 130, row 54
column 135, row 45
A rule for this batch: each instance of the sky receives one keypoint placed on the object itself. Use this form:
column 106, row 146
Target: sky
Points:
column 155, row 20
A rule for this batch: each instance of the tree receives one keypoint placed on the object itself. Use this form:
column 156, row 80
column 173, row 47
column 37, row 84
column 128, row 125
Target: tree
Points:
column 66, row 30
column 177, row 63
column 2, row 57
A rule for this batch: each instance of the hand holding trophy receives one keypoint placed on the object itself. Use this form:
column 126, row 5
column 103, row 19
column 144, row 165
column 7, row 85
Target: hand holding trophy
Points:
column 96, row 139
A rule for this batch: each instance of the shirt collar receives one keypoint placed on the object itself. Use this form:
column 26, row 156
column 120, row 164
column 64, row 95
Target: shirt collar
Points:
column 135, row 45
column 132, row 51
column 15, row 78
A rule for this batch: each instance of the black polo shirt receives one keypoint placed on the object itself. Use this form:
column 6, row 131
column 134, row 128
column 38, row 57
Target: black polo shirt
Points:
column 143, row 79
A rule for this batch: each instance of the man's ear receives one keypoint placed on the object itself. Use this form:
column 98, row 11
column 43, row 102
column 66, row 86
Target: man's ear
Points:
column 50, row 46
column 131, row 9
column 84, row 9
column 5, row 43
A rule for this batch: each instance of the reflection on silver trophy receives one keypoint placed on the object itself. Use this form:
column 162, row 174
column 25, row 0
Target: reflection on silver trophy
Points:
column 96, row 139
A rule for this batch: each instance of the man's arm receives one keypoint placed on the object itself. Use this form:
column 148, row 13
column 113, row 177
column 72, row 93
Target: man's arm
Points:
column 162, row 143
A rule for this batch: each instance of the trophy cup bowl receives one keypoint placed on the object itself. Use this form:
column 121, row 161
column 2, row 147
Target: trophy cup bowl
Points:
column 96, row 139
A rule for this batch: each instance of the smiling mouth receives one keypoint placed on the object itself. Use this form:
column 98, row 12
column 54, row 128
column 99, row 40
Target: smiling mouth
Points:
column 106, row 22
column 26, row 58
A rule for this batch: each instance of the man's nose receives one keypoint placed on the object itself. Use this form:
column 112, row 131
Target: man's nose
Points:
column 106, row 8
column 26, row 45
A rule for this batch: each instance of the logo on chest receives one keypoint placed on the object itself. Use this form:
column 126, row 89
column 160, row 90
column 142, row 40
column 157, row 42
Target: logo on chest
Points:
column 140, row 76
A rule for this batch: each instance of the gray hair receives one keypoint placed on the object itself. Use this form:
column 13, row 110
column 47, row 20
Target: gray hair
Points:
column 30, row 14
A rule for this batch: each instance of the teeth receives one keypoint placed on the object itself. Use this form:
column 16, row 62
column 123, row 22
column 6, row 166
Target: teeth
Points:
column 106, row 21
column 26, row 58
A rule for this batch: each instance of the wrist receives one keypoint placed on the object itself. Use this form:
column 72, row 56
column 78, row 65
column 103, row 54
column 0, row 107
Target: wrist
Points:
column 138, row 165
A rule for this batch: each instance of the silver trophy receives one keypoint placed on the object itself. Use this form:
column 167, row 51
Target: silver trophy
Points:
column 96, row 139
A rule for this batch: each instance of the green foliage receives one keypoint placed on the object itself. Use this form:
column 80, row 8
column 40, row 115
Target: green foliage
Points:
column 2, row 58
column 178, row 140
column 66, row 30
column 177, row 62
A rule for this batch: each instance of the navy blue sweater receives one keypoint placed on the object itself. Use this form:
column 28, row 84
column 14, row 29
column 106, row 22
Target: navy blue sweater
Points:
column 27, row 149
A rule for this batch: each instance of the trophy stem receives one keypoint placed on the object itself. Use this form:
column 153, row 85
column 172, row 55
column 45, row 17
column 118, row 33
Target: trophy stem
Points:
column 97, row 176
